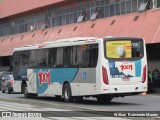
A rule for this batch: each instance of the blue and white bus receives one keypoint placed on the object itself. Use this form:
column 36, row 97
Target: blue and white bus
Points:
column 82, row 67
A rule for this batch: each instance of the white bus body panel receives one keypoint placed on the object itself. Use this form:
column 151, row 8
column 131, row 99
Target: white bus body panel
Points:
column 31, row 83
column 83, row 89
column 118, row 85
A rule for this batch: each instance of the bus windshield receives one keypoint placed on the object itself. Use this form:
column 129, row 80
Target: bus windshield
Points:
column 124, row 49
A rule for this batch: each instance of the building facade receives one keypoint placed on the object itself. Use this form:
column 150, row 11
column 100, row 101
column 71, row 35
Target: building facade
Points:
column 28, row 22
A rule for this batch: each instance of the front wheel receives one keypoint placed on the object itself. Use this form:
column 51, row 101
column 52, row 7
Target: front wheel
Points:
column 8, row 90
column 3, row 91
column 26, row 94
column 67, row 94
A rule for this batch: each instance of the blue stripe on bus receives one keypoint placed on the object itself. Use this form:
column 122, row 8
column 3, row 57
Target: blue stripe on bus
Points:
column 63, row 74
column 138, row 66
column 58, row 75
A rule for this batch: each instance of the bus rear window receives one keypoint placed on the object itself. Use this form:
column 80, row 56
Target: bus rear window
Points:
column 124, row 49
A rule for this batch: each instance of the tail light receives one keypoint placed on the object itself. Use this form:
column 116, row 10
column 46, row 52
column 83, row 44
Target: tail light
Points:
column 11, row 82
column 105, row 76
column 144, row 74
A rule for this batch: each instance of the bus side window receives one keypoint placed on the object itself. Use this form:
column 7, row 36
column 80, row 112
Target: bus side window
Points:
column 88, row 55
column 68, row 57
column 16, row 65
column 52, row 57
column 75, row 61
column 59, row 61
column 33, row 59
column 16, row 60
column 42, row 58
column 93, row 55
column 24, row 59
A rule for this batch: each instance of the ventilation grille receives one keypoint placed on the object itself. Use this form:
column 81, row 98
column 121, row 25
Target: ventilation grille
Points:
column 113, row 22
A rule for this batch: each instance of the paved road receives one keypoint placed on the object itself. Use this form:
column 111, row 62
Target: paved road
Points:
column 11, row 110
column 150, row 102
column 132, row 103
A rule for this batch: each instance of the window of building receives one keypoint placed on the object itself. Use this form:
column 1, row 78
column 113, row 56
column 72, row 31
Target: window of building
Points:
column 82, row 16
column 72, row 13
column 134, row 5
column 128, row 7
column 107, row 11
column 64, row 20
column 158, row 3
column 112, row 10
column 117, row 9
column 67, row 19
column 95, row 14
column 75, row 17
column 143, row 5
column 123, row 8
column 71, row 16
column 112, row 1
column 106, row 2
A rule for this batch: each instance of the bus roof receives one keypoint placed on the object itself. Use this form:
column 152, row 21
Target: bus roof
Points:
column 60, row 42
column 68, row 42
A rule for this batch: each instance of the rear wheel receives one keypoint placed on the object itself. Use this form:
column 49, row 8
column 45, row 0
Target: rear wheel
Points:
column 3, row 91
column 8, row 90
column 104, row 98
column 26, row 94
column 0, row 86
column 67, row 94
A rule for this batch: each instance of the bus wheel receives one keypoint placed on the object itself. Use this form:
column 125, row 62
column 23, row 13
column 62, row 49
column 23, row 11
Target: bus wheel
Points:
column 67, row 93
column 104, row 98
column 8, row 90
column 26, row 94
column 3, row 91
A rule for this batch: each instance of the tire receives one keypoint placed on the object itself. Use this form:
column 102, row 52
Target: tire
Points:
column 8, row 90
column 104, row 98
column 0, row 86
column 67, row 94
column 3, row 91
column 26, row 94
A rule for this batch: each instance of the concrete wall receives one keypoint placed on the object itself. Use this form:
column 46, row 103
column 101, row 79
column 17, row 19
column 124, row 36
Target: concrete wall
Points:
column 4, row 68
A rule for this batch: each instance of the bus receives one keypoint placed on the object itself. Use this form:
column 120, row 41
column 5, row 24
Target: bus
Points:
column 79, row 67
